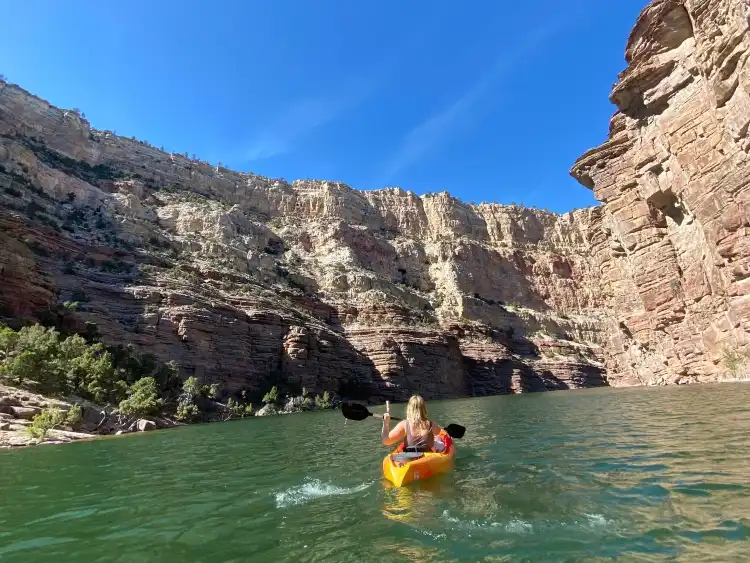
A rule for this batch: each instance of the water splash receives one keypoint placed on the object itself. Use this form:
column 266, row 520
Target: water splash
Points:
column 311, row 489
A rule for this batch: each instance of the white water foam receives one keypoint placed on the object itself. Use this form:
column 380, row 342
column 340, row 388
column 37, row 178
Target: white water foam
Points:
column 517, row 526
column 311, row 489
column 598, row 520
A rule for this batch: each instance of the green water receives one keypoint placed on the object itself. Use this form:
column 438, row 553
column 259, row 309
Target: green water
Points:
column 658, row 474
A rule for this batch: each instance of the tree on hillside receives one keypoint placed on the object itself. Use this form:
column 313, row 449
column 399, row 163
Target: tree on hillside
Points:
column 272, row 397
column 8, row 341
column 143, row 400
column 35, row 350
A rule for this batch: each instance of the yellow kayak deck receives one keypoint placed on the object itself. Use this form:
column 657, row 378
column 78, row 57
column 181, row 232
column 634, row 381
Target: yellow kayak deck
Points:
column 403, row 468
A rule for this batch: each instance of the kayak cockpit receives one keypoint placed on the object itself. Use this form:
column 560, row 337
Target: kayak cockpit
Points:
column 406, row 456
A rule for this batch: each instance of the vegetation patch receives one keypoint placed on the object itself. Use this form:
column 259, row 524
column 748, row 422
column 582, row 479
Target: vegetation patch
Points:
column 116, row 267
column 44, row 360
column 733, row 360
column 52, row 418
column 70, row 166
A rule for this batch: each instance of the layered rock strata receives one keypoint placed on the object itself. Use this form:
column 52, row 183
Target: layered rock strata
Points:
column 674, row 181
column 251, row 282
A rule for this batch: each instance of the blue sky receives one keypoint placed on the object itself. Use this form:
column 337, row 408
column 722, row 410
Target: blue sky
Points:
column 490, row 100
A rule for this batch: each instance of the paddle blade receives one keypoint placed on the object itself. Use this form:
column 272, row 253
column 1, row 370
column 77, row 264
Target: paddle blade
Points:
column 455, row 431
column 355, row 411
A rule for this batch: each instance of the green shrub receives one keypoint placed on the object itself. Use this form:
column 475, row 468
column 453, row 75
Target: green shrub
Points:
column 192, row 397
column 167, row 377
column 323, row 402
column 74, row 416
column 733, row 360
column 45, row 421
column 191, row 386
column 272, row 397
column 8, row 342
column 116, row 266
column 210, row 391
column 143, row 398
column 91, row 331
column 239, row 410
column 51, row 418
column 32, row 358
column 188, row 412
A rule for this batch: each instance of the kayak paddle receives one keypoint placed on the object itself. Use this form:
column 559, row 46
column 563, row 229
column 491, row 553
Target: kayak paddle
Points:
column 355, row 411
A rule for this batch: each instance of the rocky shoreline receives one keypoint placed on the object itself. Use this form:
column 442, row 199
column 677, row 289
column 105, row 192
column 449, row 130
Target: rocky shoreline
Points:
column 19, row 406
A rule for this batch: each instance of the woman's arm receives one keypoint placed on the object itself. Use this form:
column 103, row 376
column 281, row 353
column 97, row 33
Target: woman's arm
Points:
column 388, row 436
column 436, row 429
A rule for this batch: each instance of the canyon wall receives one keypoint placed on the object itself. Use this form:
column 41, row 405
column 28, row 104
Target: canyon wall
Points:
column 250, row 282
column 674, row 181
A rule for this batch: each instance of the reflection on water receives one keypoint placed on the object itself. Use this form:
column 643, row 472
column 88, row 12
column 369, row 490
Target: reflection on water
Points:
column 657, row 474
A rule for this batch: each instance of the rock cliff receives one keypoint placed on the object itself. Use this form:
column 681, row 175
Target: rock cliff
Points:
column 250, row 282
column 674, row 181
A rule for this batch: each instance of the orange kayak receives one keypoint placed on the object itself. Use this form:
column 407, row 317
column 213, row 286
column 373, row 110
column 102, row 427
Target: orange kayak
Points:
column 401, row 468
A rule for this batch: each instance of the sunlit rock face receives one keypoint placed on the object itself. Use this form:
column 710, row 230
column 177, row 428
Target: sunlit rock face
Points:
column 251, row 282
column 674, row 180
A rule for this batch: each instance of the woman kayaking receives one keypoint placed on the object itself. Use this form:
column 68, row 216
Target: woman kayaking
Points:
column 417, row 429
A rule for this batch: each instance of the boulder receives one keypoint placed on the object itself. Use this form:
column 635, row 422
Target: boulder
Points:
column 4, row 425
column 267, row 410
column 94, row 416
column 145, row 425
column 26, row 413
column 296, row 404
column 9, row 402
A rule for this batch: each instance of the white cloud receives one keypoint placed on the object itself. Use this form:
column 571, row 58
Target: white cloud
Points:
column 298, row 120
column 426, row 136
column 305, row 115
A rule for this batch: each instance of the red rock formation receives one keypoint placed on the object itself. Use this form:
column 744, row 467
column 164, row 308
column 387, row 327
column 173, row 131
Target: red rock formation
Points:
column 674, row 181
column 250, row 282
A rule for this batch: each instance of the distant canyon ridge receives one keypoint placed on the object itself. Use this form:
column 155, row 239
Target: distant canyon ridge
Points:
column 250, row 282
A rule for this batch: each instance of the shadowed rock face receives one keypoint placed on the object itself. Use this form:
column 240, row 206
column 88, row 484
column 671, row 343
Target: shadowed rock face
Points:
column 250, row 282
column 674, row 180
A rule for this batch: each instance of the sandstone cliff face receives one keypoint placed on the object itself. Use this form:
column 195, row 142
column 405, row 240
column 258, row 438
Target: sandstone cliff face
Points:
column 251, row 282
column 675, row 183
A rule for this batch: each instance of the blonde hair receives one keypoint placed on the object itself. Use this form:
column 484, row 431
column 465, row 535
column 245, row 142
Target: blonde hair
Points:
column 416, row 411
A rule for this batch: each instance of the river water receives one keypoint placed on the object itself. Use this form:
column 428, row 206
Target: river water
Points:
column 647, row 474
